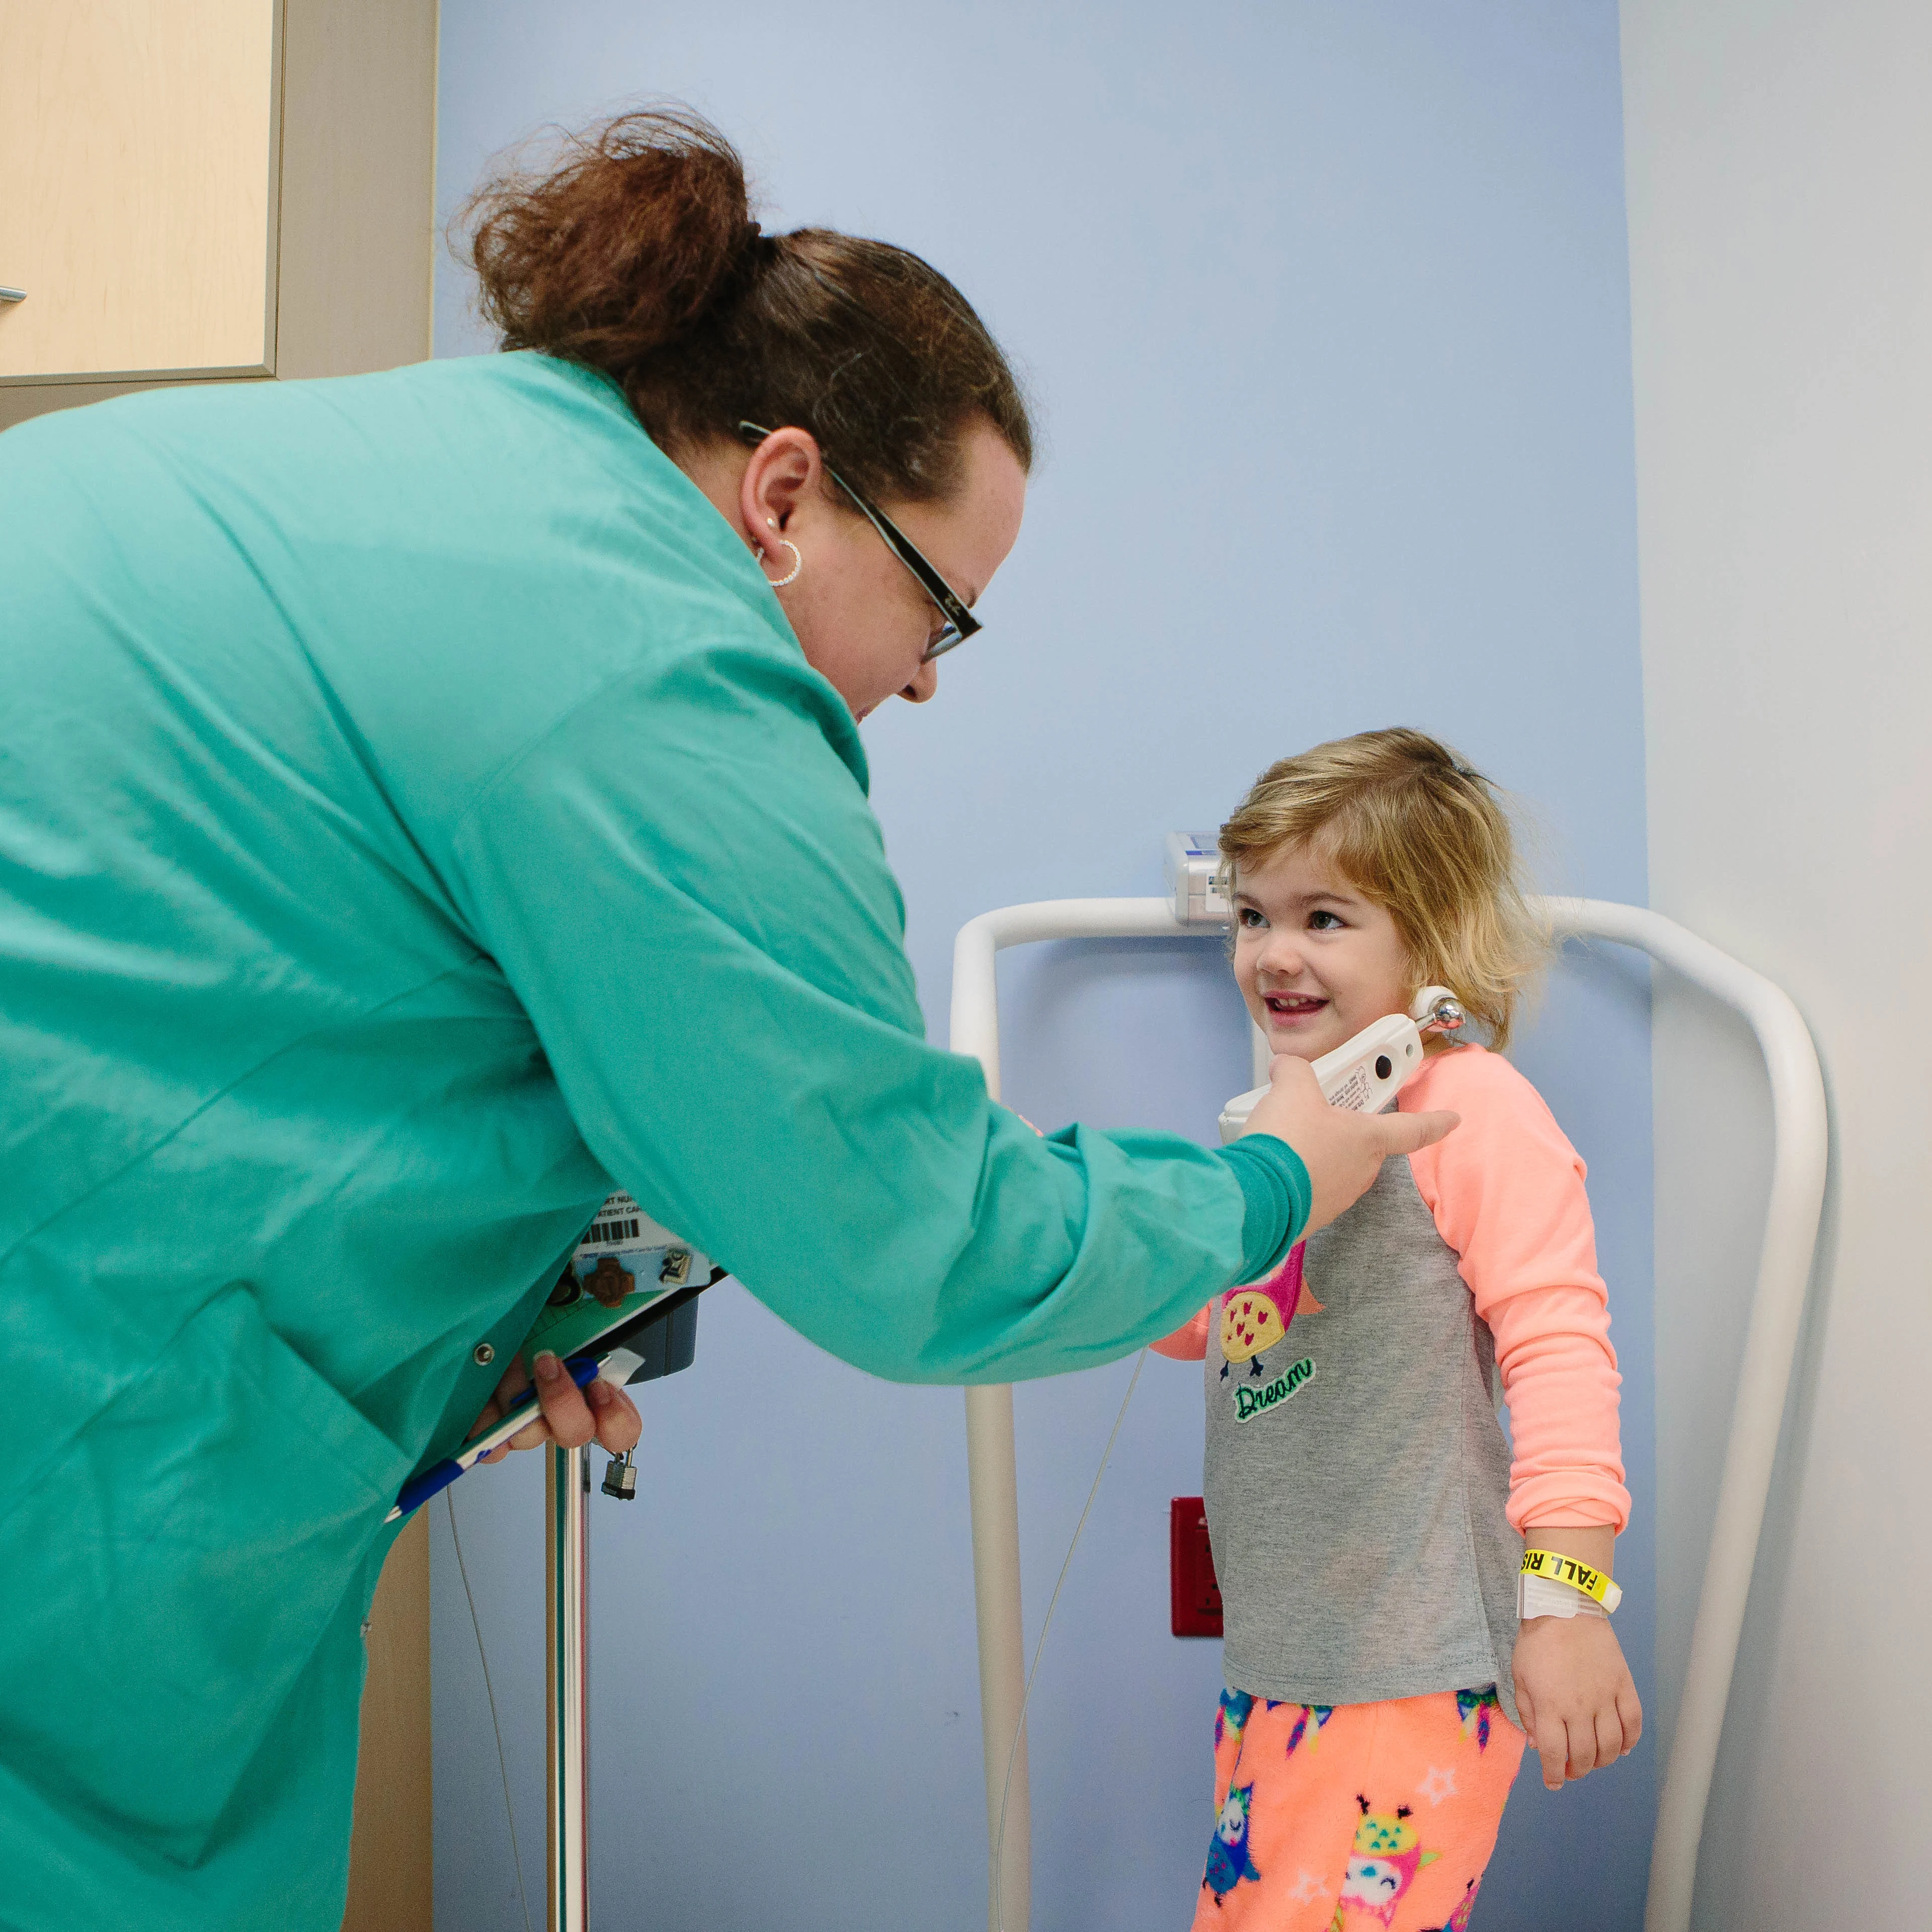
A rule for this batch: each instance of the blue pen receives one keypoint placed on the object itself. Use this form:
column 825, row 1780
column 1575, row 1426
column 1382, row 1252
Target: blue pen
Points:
column 582, row 1369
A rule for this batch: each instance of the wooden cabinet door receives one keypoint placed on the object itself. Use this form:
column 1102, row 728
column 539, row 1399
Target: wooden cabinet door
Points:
column 140, row 142
column 392, row 1857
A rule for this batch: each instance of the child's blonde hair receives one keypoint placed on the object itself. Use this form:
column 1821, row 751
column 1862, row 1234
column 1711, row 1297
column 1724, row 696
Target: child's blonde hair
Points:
column 1405, row 821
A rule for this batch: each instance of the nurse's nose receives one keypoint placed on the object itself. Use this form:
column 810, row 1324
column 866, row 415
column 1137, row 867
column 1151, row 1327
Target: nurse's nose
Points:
column 925, row 684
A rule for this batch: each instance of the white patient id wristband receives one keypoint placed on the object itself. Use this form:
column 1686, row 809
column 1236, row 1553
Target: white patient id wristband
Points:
column 1553, row 1585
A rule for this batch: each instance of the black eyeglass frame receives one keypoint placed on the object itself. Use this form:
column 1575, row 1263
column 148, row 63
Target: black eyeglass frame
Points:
column 960, row 623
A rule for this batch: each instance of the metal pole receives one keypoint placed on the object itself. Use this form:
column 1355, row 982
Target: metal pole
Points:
column 991, row 1477
column 994, row 1488
column 567, row 1546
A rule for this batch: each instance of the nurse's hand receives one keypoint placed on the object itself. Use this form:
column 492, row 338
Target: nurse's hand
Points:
column 571, row 1416
column 1342, row 1151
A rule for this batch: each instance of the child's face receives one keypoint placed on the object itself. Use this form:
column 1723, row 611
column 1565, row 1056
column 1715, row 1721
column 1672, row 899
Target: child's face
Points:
column 1315, row 960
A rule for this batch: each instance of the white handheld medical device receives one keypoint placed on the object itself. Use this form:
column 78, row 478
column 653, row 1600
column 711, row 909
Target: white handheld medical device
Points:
column 1365, row 1074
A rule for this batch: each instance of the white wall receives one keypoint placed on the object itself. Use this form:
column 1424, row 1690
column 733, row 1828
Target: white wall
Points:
column 1779, row 153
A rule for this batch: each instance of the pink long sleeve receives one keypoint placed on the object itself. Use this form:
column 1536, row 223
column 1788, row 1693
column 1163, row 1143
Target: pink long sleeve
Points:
column 1506, row 1189
column 1189, row 1342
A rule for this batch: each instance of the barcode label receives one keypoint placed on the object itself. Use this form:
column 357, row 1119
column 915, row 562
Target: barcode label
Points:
column 612, row 1231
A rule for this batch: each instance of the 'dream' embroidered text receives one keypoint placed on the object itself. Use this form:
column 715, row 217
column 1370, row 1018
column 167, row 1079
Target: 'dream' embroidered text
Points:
column 1250, row 1402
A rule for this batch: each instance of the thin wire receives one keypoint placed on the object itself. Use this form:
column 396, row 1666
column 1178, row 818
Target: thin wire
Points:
column 502, row 1763
column 1052, row 1603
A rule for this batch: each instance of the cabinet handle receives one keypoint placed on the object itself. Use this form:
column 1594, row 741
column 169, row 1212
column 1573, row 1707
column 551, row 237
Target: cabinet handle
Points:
column 13, row 295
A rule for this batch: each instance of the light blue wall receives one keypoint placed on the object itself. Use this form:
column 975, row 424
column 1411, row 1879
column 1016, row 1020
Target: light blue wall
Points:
column 1326, row 308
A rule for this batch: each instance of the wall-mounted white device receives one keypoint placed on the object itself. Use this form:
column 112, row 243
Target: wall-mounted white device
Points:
column 1190, row 861
column 1365, row 1074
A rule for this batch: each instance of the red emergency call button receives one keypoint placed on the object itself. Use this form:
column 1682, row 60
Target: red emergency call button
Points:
column 1195, row 1596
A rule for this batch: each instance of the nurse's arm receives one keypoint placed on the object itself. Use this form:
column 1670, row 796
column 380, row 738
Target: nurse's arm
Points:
column 683, row 885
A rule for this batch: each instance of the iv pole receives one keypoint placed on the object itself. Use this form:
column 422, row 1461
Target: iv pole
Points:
column 567, row 1628
column 660, row 1342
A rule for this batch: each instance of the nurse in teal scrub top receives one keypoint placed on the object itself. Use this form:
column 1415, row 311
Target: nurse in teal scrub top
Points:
column 428, row 800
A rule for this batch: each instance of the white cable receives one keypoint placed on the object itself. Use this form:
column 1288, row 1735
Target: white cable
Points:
column 1052, row 1603
column 502, row 1763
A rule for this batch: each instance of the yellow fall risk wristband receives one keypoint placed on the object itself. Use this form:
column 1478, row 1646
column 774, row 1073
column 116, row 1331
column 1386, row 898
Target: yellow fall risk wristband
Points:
column 1545, row 1563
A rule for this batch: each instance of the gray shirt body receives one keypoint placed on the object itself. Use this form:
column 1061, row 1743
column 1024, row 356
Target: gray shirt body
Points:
column 1356, row 1492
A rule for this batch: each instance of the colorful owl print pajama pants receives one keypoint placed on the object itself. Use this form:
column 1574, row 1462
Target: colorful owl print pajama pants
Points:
column 1355, row 1817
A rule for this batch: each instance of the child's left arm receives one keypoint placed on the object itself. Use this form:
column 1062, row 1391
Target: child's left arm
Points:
column 1507, row 1193
column 1574, row 1690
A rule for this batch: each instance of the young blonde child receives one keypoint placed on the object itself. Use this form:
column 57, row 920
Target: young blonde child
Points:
column 1369, row 1520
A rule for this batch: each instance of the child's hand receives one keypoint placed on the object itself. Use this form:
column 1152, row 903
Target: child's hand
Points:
column 1574, row 1692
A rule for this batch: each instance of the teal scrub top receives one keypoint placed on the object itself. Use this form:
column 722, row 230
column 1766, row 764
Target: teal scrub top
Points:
column 417, row 816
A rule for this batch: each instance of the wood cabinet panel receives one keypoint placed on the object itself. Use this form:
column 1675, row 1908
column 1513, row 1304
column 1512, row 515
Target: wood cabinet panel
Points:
column 390, row 1863
column 139, row 146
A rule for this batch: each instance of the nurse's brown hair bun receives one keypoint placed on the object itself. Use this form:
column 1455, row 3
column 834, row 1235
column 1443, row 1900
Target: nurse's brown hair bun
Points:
column 636, row 254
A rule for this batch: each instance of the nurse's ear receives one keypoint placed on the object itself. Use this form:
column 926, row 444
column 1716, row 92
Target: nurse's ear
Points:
column 785, row 471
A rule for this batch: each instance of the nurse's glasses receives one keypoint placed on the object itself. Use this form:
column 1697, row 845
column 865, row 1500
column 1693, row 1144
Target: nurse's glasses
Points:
column 960, row 623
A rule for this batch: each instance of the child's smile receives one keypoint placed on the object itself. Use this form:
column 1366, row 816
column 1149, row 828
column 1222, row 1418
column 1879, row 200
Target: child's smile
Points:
column 1289, row 1008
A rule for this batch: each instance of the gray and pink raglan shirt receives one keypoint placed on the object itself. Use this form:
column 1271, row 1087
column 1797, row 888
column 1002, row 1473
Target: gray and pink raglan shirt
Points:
column 1364, row 1505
